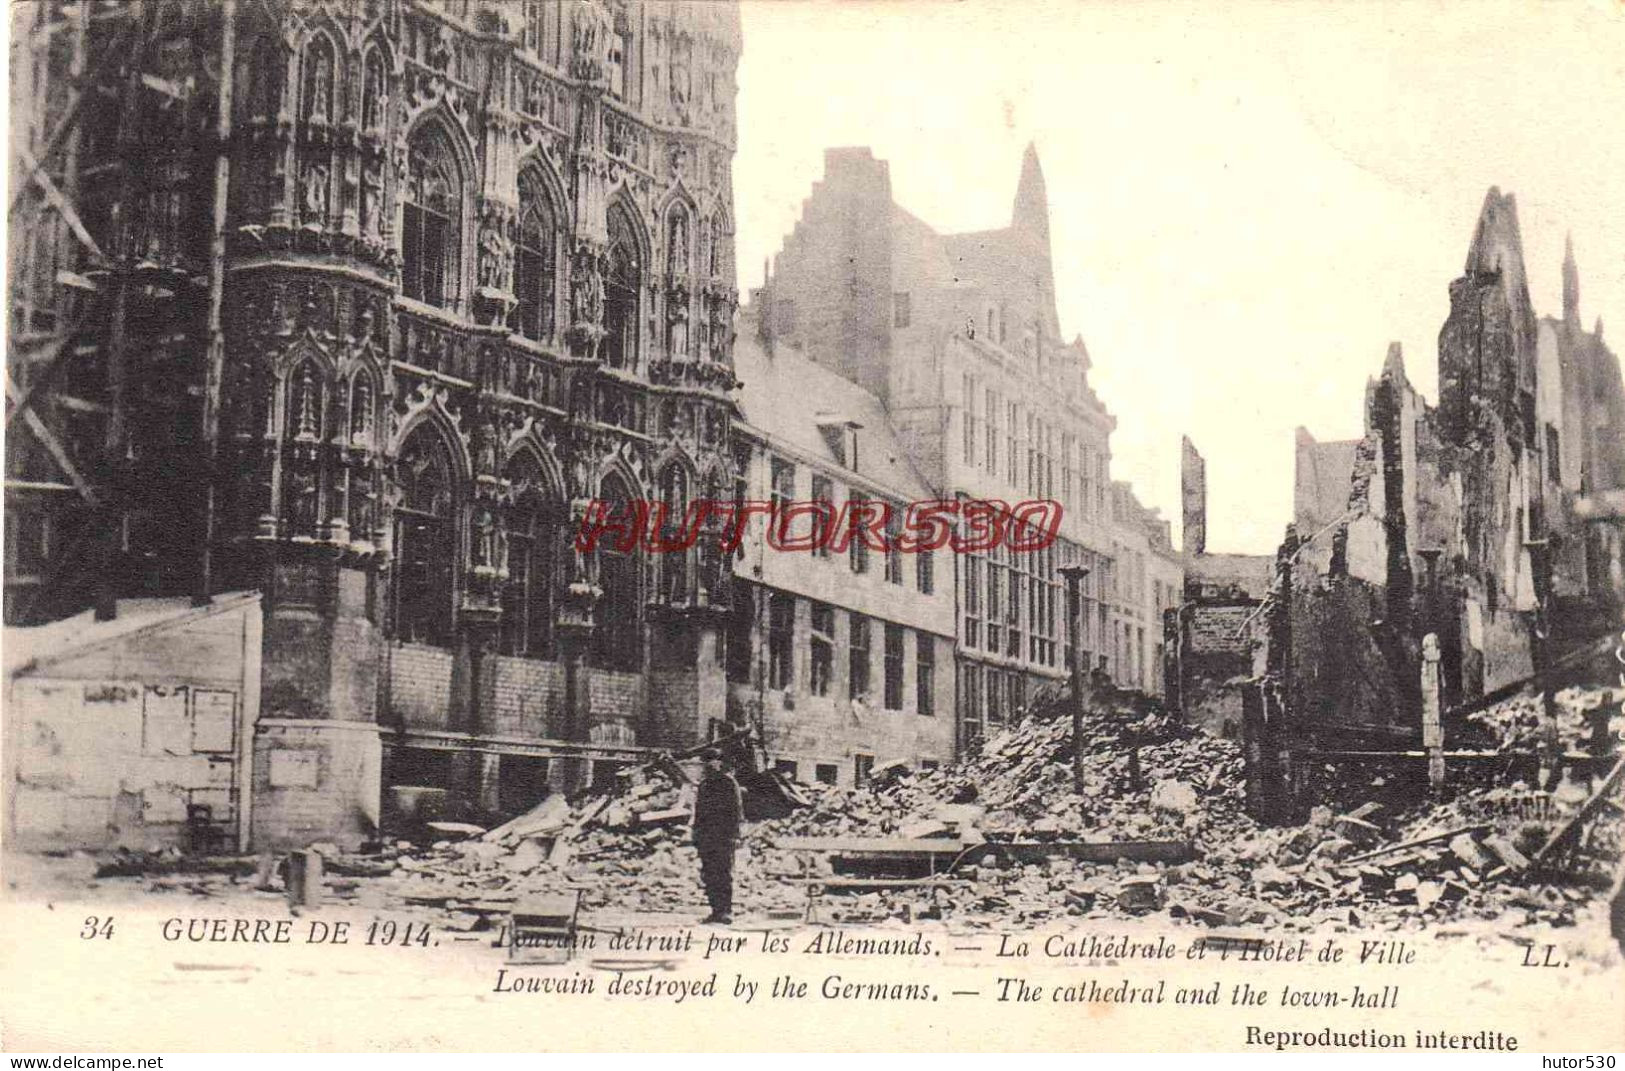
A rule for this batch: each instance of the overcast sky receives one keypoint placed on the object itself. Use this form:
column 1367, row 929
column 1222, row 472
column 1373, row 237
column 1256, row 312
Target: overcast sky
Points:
column 1248, row 202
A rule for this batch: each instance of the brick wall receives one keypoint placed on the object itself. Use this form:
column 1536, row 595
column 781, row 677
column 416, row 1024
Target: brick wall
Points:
column 1219, row 630
column 420, row 685
column 617, row 704
column 844, row 234
column 674, row 715
column 315, row 781
column 527, row 697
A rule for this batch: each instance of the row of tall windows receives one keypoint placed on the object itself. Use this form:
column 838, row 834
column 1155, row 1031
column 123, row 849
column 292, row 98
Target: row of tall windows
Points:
column 863, row 635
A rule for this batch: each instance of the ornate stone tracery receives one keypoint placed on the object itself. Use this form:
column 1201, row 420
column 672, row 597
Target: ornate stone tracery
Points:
column 476, row 279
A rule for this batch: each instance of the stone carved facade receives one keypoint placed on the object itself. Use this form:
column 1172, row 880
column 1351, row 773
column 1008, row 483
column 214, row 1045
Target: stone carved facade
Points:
column 455, row 243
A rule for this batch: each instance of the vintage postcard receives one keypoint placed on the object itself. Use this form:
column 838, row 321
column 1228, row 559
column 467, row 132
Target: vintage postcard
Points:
column 585, row 525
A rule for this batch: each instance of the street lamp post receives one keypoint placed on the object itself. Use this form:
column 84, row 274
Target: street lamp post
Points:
column 1074, row 575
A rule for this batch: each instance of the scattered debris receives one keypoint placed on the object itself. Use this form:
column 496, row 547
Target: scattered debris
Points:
column 1167, row 834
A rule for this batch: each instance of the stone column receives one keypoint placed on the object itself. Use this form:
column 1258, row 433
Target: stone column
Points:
column 577, row 619
column 472, row 693
column 1432, row 726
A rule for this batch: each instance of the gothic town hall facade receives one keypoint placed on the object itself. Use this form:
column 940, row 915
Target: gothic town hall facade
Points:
column 475, row 265
column 482, row 274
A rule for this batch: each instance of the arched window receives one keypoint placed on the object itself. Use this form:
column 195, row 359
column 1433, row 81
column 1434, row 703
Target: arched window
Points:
column 535, row 26
column 535, row 544
column 674, row 570
column 535, row 271
column 374, row 93
column 717, row 249
column 677, row 244
column 260, row 89
column 316, row 100
column 623, row 284
column 618, row 639
column 361, row 397
column 425, row 540
column 431, row 220
column 362, row 491
column 301, row 439
column 712, row 570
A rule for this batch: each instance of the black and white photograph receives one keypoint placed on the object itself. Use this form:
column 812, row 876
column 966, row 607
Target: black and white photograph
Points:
column 556, row 525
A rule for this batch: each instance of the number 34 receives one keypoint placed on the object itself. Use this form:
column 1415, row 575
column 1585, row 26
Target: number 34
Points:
column 97, row 926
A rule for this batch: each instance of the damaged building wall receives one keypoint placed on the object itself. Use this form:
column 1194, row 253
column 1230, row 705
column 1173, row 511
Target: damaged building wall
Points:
column 139, row 731
column 1214, row 637
column 1457, row 520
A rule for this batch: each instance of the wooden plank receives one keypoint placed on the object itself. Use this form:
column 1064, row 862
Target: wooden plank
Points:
column 54, row 447
column 1588, row 810
column 117, row 51
column 883, row 883
column 877, row 846
column 1137, row 851
column 1418, row 842
column 55, row 198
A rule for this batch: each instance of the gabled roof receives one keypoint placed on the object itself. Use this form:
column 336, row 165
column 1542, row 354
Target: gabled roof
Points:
column 31, row 648
column 790, row 402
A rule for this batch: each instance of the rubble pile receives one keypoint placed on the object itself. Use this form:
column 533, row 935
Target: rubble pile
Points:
column 1515, row 723
column 1147, row 778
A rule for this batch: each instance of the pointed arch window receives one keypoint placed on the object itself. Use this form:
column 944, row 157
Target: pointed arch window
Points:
column 260, row 88
column 374, row 93
column 716, row 250
column 618, row 639
column 301, row 466
column 316, row 100
column 431, row 221
column 677, row 243
column 361, row 473
column 535, row 26
column 535, row 258
column 425, row 541
column 536, row 541
column 712, row 579
column 674, row 494
column 623, row 285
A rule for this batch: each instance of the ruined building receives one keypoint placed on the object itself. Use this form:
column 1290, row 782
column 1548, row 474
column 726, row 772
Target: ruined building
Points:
column 1490, row 522
column 357, row 303
column 956, row 339
column 1212, row 639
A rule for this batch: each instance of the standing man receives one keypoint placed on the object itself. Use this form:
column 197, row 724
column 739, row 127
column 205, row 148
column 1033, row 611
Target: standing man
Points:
column 717, row 814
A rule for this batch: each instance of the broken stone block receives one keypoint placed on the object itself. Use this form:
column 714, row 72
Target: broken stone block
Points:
column 1510, row 857
column 1139, row 894
column 1243, row 910
column 1332, row 849
column 479, row 852
column 1175, row 797
column 1357, row 831
column 1467, row 850
column 526, row 857
column 1269, row 875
